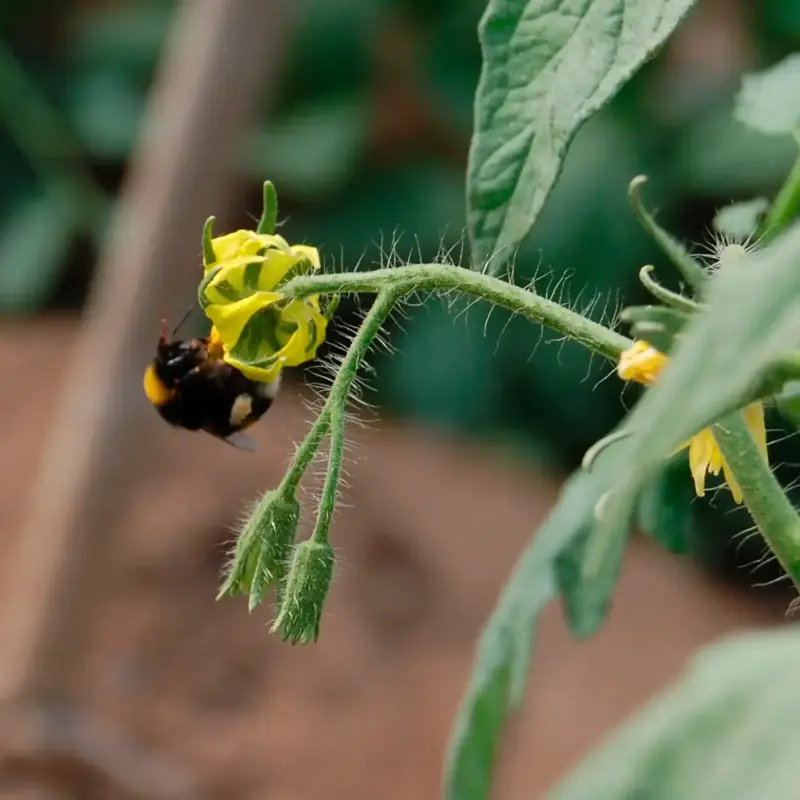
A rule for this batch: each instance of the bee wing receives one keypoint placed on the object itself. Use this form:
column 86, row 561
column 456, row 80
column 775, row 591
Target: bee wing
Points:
column 241, row 441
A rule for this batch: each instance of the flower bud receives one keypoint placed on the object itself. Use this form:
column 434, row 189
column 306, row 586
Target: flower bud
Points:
column 263, row 548
column 304, row 592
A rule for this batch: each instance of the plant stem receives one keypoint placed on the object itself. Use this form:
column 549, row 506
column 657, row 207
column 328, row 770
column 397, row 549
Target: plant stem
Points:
column 305, row 453
column 765, row 499
column 784, row 208
column 336, row 404
column 443, row 277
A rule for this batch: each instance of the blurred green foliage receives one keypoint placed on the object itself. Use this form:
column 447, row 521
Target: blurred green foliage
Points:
column 367, row 144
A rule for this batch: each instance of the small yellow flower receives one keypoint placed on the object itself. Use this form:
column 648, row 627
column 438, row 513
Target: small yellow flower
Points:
column 265, row 332
column 255, row 327
column 643, row 363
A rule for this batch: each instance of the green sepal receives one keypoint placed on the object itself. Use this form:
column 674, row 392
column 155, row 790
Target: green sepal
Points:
column 691, row 270
column 269, row 216
column 304, row 592
column 209, row 257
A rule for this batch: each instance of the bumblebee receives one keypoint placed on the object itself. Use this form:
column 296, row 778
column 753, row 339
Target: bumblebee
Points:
column 191, row 387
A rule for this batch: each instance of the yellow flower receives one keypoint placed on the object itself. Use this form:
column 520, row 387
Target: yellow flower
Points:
column 243, row 247
column 643, row 363
column 265, row 332
column 255, row 327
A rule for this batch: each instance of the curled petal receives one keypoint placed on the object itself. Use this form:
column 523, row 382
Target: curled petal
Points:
column 263, row 333
column 245, row 243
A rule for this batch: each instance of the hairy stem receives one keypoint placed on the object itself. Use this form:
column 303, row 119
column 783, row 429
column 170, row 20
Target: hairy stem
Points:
column 305, row 453
column 765, row 499
column 336, row 404
column 443, row 277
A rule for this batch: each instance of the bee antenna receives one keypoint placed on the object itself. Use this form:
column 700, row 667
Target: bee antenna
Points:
column 163, row 336
column 182, row 321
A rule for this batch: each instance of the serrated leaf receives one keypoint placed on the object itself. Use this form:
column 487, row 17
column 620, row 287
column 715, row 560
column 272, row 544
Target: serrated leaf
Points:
column 547, row 68
column 769, row 101
column 727, row 729
column 740, row 220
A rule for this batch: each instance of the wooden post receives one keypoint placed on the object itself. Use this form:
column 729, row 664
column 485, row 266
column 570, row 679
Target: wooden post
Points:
column 220, row 57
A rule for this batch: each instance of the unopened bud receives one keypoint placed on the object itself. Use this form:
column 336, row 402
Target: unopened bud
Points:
column 263, row 548
column 303, row 594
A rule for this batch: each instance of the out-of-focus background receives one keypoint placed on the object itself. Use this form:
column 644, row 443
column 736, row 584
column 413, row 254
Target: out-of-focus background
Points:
column 123, row 125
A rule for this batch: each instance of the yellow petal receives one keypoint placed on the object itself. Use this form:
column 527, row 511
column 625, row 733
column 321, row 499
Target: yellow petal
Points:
column 275, row 267
column 641, row 362
column 715, row 459
column 311, row 328
column 309, row 253
column 732, row 483
column 230, row 318
column 754, row 417
column 699, row 458
column 260, row 374
column 234, row 244
column 245, row 243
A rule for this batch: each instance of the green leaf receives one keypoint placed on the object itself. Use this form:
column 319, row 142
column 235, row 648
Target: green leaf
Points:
column 788, row 402
column 769, row 101
column 547, row 68
column 502, row 659
column 727, row 729
column 719, row 362
column 738, row 221
column 657, row 325
column 665, row 507
column 33, row 245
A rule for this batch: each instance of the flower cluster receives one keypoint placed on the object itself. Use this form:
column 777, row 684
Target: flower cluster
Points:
column 255, row 327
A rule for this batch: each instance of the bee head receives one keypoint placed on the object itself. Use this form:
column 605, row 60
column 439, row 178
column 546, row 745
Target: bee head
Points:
column 175, row 358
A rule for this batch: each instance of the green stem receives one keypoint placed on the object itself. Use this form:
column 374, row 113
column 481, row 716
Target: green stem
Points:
column 336, row 404
column 663, row 294
column 304, row 454
column 765, row 499
column 443, row 278
column 785, row 207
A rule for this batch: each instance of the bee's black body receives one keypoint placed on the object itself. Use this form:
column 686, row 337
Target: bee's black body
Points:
column 192, row 389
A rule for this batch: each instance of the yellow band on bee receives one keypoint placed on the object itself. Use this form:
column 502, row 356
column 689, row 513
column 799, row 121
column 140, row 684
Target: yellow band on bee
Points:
column 154, row 388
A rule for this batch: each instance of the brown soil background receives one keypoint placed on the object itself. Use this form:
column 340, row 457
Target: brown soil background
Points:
column 427, row 532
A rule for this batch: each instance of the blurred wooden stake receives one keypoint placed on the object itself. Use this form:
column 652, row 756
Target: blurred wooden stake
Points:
column 219, row 57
